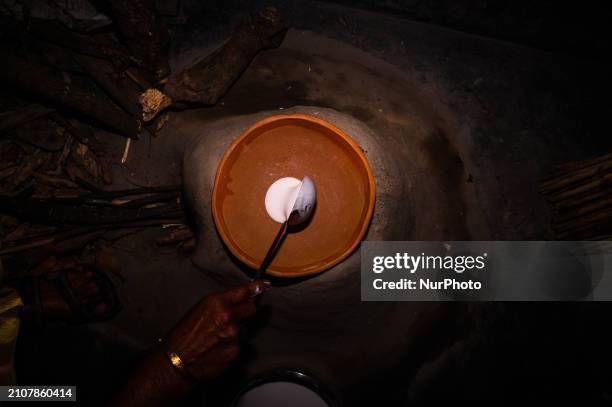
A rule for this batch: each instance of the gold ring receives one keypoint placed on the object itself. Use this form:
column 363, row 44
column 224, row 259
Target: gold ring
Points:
column 178, row 364
column 176, row 360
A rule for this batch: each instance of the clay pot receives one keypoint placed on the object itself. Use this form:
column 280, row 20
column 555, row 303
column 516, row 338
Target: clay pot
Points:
column 293, row 146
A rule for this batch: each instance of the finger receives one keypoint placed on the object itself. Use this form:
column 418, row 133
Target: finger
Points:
column 229, row 332
column 243, row 311
column 224, row 353
column 221, row 317
column 246, row 291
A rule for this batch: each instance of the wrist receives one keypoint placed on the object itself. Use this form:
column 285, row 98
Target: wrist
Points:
column 155, row 383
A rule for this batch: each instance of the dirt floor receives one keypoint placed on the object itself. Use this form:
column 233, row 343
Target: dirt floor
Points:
column 457, row 134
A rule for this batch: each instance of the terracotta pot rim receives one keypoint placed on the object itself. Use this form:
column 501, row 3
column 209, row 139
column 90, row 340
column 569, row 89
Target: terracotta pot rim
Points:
column 338, row 132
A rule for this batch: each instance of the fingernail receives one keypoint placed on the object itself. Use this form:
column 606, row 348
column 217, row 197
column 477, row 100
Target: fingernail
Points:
column 258, row 290
column 261, row 288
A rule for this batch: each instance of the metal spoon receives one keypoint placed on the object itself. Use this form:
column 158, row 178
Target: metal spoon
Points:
column 300, row 213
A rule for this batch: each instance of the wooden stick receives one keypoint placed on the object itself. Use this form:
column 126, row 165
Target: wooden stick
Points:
column 46, row 83
column 581, row 211
column 117, row 86
column 58, row 34
column 576, row 177
column 7, row 172
column 157, row 198
column 585, row 221
column 582, row 189
column 75, row 232
column 175, row 236
column 104, row 198
column 606, row 237
column 126, row 150
column 54, row 181
column 209, row 78
column 573, row 166
column 568, row 204
column 46, row 212
column 145, row 33
column 137, row 191
column 14, row 118
column 28, row 166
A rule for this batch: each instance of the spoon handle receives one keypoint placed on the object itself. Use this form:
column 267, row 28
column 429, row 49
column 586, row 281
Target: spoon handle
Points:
column 272, row 251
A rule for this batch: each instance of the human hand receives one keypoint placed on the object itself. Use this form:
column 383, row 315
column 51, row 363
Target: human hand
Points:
column 206, row 339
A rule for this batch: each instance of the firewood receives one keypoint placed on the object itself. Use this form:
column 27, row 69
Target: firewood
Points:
column 63, row 156
column 11, row 154
column 574, row 166
column 80, row 177
column 60, row 87
column 117, row 197
column 56, row 33
column 116, row 85
column 580, row 190
column 54, row 181
column 126, row 151
column 18, row 233
column 62, row 242
column 38, row 251
column 585, row 221
column 587, row 232
column 600, row 237
column 187, row 246
column 144, row 32
column 175, row 236
column 584, row 210
column 53, row 213
column 209, row 78
column 49, row 54
column 157, row 198
column 92, row 165
column 39, row 133
column 79, row 131
column 575, row 177
column 135, row 191
column 26, row 246
column 139, row 79
column 14, row 118
column 581, row 196
column 27, row 168
column 7, row 172
column 26, row 232
column 569, row 204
